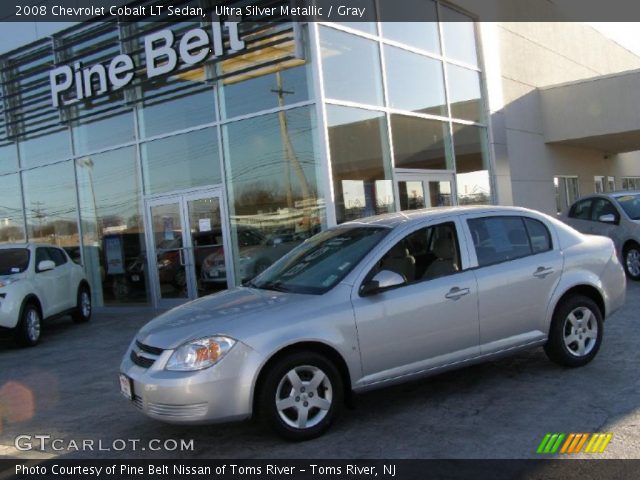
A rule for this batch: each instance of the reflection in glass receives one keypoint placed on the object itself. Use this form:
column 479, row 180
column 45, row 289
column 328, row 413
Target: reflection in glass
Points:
column 351, row 67
column 415, row 82
column 104, row 133
column 45, row 149
column 8, row 158
column 360, row 161
column 464, row 93
column 11, row 217
column 273, row 182
column 183, row 112
column 472, row 164
column 440, row 194
column 166, row 224
column 411, row 195
column 112, row 226
column 420, row 143
column 205, row 226
column 50, row 203
column 421, row 34
column 181, row 161
column 459, row 36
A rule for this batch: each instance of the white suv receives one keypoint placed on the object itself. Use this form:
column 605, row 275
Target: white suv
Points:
column 37, row 282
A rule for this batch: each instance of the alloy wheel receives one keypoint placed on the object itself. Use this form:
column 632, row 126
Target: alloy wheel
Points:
column 632, row 260
column 33, row 325
column 580, row 331
column 304, row 397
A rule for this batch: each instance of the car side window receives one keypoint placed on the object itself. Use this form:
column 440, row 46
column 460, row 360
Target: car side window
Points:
column 581, row 210
column 602, row 206
column 499, row 239
column 42, row 254
column 58, row 256
column 425, row 254
column 539, row 235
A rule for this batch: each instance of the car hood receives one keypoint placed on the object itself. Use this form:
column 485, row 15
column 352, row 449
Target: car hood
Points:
column 224, row 313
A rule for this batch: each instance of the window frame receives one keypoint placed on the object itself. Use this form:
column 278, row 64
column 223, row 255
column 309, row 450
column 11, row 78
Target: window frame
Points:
column 372, row 263
column 472, row 247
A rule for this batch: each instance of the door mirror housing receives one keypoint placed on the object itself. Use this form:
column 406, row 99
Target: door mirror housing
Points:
column 383, row 280
column 608, row 218
column 46, row 265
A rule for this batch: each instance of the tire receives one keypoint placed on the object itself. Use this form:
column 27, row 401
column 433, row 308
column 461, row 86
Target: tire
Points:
column 576, row 332
column 319, row 405
column 27, row 332
column 82, row 312
column 631, row 261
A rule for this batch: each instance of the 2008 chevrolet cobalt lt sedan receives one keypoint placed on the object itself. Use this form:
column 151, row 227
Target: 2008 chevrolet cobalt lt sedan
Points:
column 374, row 302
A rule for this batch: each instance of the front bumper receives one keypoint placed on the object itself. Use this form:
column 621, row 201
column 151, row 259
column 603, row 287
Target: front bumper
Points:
column 219, row 393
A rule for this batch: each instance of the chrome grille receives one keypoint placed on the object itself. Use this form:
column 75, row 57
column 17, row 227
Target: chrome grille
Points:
column 166, row 410
column 144, row 355
column 148, row 348
column 144, row 362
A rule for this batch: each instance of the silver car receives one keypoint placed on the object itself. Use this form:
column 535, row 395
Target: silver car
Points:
column 615, row 215
column 371, row 303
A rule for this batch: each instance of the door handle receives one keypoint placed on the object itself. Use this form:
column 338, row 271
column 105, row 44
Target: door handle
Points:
column 542, row 272
column 181, row 255
column 456, row 293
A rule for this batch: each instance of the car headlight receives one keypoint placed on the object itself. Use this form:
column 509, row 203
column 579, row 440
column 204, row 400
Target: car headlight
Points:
column 199, row 354
column 8, row 281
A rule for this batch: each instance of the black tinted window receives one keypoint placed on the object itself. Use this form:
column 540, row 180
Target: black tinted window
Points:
column 13, row 260
column 498, row 239
column 581, row 210
column 602, row 206
column 57, row 256
column 539, row 235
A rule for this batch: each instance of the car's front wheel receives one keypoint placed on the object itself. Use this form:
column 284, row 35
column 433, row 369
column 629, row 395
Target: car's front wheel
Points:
column 631, row 257
column 82, row 312
column 301, row 396
column 576, row 332
column 27, row 332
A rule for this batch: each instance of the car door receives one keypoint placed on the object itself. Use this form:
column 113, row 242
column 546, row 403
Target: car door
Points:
column 519, row 265
column 429, row 321
column 602, row 206
column 47, row 283
column 579, row 215
column 67, row 294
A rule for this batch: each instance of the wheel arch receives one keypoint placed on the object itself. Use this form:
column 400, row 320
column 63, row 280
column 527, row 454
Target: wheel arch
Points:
column 304, row 346
column 83, row 283
column 29, row 299
column 586, row 290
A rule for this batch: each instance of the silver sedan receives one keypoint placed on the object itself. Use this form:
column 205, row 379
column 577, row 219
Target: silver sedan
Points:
column 615, row 215
column 371, row 303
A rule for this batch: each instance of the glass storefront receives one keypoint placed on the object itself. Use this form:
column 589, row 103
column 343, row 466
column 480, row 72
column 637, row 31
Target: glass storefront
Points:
column 200, row 178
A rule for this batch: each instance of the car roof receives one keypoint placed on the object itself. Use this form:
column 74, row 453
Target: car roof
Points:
column 26, row 245
column 392, row 220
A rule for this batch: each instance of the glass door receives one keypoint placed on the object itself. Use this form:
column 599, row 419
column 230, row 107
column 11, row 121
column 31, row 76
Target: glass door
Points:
column 188, row 238
column 424, row 190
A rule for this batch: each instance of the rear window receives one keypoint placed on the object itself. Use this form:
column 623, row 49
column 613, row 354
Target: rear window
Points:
column 13, row 260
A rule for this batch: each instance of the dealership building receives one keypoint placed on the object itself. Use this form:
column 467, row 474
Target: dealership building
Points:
column 177, row 158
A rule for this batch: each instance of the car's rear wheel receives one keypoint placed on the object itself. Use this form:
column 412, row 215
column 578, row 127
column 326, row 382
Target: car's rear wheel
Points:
column 27, row 332
column 301, row 395
column 82, row 312
column 576, row 332
column 631, row 258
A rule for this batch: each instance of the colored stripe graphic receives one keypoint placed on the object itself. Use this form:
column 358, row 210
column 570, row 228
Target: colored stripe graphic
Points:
column 574, row 443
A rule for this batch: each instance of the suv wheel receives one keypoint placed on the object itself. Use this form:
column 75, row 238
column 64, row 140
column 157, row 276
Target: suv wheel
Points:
column 301, row 396
column 82, row 313
column 576, row 332
column 631, row 260
column 27, row 332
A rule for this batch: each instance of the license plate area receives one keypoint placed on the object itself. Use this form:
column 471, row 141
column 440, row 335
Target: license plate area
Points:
column 126, row 387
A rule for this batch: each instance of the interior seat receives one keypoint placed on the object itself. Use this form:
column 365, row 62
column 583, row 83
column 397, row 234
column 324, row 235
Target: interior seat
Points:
column 399, row 260
column 444, row 264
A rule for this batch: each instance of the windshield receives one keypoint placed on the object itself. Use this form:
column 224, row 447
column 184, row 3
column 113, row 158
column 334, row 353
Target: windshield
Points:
column 321, row 262
column 13, row 260
column 631, row 205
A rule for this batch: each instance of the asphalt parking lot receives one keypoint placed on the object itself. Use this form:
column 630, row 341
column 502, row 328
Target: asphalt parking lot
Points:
column 67, row 388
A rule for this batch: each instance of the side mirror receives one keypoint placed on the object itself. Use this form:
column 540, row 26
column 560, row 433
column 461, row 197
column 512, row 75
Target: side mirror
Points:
column 608, row 218
column 46, row 265
column 383, row 280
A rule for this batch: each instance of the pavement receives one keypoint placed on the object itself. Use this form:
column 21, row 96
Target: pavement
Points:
column 67, row 388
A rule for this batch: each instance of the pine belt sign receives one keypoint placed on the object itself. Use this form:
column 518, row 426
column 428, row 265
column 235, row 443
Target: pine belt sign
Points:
column 161, row 53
